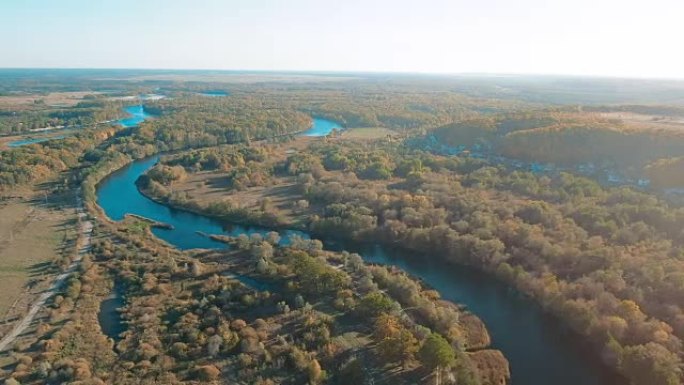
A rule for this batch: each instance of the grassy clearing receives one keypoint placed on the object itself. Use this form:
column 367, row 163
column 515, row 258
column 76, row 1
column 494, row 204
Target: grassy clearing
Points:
column 37, row 101
column 638, row 122
column 368, row 133
column 280, row 198
column 30, row 237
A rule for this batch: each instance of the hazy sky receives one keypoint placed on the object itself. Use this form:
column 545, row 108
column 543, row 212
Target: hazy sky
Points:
column 586, row 37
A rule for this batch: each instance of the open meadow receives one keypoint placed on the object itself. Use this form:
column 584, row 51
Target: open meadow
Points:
column 31, row 237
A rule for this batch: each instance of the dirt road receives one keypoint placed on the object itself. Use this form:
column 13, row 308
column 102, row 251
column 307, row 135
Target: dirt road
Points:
column 86, row 229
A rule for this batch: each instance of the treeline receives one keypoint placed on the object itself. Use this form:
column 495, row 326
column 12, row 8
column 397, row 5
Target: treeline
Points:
column 226, row 120
column 488, row 129
column 402, row 108
column 39, row 162
column 393, row 105
column 85, row 113
column 600, row 144
column 565, row 138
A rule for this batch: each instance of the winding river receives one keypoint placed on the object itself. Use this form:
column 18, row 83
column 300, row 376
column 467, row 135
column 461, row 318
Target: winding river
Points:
column 540, row 351
column 136, row 116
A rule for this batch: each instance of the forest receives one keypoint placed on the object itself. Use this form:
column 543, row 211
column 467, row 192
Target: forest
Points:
column 85, row 113
column 301, row 317
column 567, row 138
column 606, row 261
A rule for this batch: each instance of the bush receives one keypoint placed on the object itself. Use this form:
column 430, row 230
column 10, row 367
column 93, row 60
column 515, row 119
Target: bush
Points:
column 436, row 352
column 208, row 373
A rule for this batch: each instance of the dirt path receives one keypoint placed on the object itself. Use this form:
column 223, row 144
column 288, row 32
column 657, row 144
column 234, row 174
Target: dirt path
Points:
column 86, row 229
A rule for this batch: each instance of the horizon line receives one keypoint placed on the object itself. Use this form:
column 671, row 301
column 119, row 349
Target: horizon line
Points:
column 362, row 72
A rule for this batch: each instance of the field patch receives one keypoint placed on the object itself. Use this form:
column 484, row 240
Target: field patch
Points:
column 368, row 133
column 30, row 237
column 33, row 101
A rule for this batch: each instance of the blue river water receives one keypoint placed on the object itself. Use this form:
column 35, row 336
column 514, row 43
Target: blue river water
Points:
column 136, row 116
column 25, row 142
column 214, row 93
column 321, row 127
column 539, row 349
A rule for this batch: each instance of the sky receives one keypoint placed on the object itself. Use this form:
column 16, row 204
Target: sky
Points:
column 619, row 38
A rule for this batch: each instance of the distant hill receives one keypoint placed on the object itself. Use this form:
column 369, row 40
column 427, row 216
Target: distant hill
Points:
column 567, row 138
